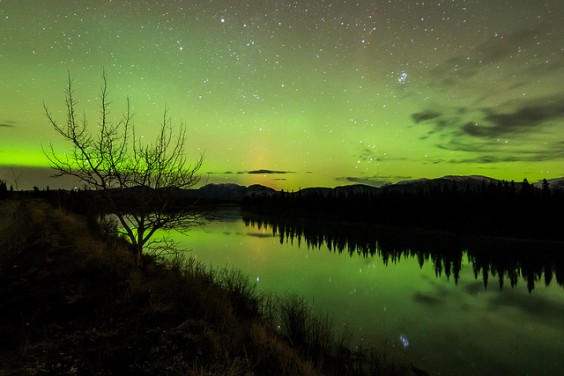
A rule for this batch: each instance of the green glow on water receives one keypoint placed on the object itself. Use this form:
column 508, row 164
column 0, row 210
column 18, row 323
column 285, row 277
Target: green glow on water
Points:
column 451, row 328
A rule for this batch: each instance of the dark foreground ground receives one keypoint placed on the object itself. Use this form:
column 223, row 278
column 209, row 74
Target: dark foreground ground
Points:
column 72, row 303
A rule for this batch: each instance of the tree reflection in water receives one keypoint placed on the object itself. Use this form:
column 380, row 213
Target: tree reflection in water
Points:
column 504, row 259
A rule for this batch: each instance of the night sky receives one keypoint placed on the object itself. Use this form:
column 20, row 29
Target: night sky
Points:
column 298, row 93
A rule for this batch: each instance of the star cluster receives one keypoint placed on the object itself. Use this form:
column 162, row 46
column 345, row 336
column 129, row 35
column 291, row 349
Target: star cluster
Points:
column 308, row 92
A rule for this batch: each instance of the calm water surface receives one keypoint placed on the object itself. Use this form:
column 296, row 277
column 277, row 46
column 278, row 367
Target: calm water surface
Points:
column 444, row 327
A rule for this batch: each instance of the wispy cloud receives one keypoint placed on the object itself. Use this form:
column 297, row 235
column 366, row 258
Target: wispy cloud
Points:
column 514, row 131
column 527, row 117
column 253, row 172
column 426, row 115
column 8, row 124
column 554, row 151
column 370, row 154
column 494, row 51
column 265, row 172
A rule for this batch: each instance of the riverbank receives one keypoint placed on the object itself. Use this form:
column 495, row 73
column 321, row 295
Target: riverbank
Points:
column 72, row 302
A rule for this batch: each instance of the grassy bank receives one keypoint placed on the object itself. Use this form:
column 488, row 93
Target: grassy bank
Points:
column 72, row 302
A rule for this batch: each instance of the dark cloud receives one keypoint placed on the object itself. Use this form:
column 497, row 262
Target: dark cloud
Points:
column 492, row 123
column 482, row 159
column 551, row 153
column 419, row 117
column 530, row 305
column 445, row 123
column 368, row 154
column 525, row 118
column 219, row 173
column 490, row 152
column 507, row 133
column 253, row 172
column 529, row 116
column 265, row 172
column 8, row 124
column 427, row 299
column 259, row 235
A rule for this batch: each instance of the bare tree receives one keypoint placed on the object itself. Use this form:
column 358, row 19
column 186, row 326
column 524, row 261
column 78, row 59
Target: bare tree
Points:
column 139, row 182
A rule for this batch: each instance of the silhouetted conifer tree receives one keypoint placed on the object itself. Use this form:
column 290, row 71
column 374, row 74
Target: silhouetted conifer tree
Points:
column 3, row 190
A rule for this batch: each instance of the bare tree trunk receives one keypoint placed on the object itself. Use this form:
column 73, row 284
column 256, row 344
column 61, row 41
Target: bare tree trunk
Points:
column 138, row 258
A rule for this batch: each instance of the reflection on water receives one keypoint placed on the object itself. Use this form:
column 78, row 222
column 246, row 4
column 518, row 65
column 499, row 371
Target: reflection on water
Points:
column 502, row 259
column 420, row 295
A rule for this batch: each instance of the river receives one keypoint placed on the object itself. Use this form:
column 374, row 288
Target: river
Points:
column 446, row 310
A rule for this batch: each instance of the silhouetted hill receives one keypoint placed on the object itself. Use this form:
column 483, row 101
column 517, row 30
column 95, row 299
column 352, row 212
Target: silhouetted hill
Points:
column 227, row 192
column 236, row 193
column 425, row 185
column 223, row 192
column 260, row 190
column 556, row 184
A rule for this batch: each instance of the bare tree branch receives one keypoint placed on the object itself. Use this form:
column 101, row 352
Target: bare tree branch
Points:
column 140, row 182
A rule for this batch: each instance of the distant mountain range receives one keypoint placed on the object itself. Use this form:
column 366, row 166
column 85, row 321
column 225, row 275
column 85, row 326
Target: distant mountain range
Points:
column 236, row 193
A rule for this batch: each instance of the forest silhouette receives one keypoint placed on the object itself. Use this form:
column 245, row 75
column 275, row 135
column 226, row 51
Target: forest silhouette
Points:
column 497, row 208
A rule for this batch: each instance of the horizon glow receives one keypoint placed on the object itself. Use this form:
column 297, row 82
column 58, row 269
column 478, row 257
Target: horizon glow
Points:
column 314, row 93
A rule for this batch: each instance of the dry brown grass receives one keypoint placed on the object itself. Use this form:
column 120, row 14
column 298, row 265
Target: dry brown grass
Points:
column 73, row 302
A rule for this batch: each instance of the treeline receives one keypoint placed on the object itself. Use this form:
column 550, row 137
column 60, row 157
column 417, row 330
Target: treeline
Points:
column 92, row 205
column 502, row 208
column 502, row 260
column 4, row 190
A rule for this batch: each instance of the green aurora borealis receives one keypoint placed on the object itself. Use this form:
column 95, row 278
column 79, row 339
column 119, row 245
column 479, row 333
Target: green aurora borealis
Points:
column 293, row 94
